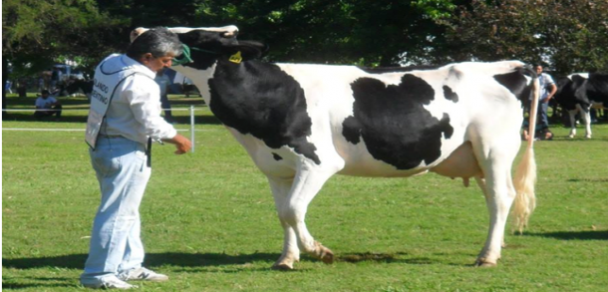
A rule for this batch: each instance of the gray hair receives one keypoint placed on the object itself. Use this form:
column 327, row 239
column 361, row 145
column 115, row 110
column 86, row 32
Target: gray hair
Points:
column 158, row 41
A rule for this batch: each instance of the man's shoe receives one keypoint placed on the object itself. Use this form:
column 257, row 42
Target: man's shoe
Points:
column 142, row 274
column 107, row 282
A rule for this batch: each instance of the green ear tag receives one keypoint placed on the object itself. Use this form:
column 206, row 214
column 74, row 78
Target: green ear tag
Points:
column 236, row 58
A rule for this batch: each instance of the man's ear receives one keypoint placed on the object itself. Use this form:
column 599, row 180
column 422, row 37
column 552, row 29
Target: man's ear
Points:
column 146, row 58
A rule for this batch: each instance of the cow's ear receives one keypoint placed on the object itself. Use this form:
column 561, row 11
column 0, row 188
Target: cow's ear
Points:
column 250, row 50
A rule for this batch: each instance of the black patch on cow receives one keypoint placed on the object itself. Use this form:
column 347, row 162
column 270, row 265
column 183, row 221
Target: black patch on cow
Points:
column 260, row 99
column 583, row 91
column 449, row 94
column 205, row 47
column 517, row 83
column 276, row 157
column 393, row 123
column 566, row 89
column 597, row 88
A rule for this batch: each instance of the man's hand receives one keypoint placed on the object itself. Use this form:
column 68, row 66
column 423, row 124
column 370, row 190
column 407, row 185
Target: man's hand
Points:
column 182, row 143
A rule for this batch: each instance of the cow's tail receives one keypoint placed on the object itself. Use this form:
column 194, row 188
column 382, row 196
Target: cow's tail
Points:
column 525, row 175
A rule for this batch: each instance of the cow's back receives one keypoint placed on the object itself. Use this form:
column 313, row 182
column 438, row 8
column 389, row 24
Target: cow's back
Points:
column 398, row 123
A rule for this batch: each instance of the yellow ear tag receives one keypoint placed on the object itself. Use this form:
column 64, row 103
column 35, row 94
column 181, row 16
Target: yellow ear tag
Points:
column 236, row 58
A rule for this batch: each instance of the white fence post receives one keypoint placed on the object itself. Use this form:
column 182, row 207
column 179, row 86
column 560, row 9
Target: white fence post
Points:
column 192, row 127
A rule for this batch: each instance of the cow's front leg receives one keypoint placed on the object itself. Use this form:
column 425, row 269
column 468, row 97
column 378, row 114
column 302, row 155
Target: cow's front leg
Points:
column 572, row 115
column 586, row 116
column 291, row 253
column 307, row 183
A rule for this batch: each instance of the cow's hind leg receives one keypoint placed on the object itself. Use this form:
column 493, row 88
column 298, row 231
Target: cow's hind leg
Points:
column 499, row 191
column 307, row 183
column 481, row 182
column 291, row 253
column 586, row 117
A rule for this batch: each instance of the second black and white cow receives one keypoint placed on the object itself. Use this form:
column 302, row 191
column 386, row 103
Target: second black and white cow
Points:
column 303, row 123
column 578, row 93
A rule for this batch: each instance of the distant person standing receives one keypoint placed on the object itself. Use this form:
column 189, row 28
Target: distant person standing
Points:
column 547, row 91
column 47, row 106
column 55, row 79
column 124, row 119
column 8, row 86
column 163, row 82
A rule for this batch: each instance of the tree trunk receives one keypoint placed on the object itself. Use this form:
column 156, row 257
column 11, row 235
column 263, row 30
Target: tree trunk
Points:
column 5, row 74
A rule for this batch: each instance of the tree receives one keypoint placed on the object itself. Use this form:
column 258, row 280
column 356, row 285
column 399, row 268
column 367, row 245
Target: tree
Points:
column 569, row 35
column 348, row 31
column 37, row 33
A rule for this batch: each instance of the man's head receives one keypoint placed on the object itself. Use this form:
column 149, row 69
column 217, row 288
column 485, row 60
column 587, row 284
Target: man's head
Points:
column 155, row 48
column 539, row 69
column 44, row 94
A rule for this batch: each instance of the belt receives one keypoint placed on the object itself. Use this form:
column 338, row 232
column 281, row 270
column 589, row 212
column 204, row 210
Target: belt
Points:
column 110, row 136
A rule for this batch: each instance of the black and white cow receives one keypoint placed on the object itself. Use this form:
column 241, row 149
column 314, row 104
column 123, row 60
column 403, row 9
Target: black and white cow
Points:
column 578, row 93
column 303, row 123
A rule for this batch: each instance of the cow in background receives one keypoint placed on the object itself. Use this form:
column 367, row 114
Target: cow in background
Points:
column 303, row 123
column 578, row 93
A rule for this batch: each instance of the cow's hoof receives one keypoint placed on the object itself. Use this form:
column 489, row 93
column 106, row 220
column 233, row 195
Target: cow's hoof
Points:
column 484, row 264
column 571, row 136
column 323, row 253
column 282, row 267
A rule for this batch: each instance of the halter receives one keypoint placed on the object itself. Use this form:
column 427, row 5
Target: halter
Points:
column 186, row 58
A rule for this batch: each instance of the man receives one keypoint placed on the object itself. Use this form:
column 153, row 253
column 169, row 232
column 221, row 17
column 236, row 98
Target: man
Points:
column 547, row 91
column 47, row 106
column 125, row 116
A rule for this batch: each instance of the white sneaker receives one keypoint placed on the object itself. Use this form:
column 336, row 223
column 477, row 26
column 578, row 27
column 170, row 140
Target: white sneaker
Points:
column 142, row 274
column 107, row 282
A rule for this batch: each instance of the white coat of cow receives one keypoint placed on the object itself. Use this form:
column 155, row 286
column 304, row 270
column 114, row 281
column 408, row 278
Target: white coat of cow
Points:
column 303, row 123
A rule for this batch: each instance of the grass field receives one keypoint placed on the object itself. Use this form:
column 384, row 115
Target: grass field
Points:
column 209, row 220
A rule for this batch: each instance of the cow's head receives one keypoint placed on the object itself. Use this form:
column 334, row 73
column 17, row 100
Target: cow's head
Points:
column 206, row 45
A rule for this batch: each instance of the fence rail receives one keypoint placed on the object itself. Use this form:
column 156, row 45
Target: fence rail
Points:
column 191, row 109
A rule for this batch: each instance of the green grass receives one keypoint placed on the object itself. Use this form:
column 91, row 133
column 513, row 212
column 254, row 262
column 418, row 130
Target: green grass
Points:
column 209, row 221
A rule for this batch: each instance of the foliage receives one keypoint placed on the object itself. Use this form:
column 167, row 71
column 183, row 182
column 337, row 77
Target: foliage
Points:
column 571, row 35
column 347, row 31
column 35, row 34
column 209, row 221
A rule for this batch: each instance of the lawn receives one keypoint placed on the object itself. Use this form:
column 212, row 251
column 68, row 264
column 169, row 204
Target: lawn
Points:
column 209, row 220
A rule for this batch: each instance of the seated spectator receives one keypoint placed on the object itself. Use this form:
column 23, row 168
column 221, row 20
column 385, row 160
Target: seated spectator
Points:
column 47, row 106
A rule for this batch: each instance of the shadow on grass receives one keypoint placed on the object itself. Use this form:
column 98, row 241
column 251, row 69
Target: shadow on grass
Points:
column 76, row 261
column 574, row 235
column 381, row 258
column 591, row 180
column 399, row 257
column 38, row 283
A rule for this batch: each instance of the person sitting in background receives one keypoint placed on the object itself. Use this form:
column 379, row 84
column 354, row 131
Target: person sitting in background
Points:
column 47, row 106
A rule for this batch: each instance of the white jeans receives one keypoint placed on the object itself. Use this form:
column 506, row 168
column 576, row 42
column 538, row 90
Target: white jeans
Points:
column 120, row 166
